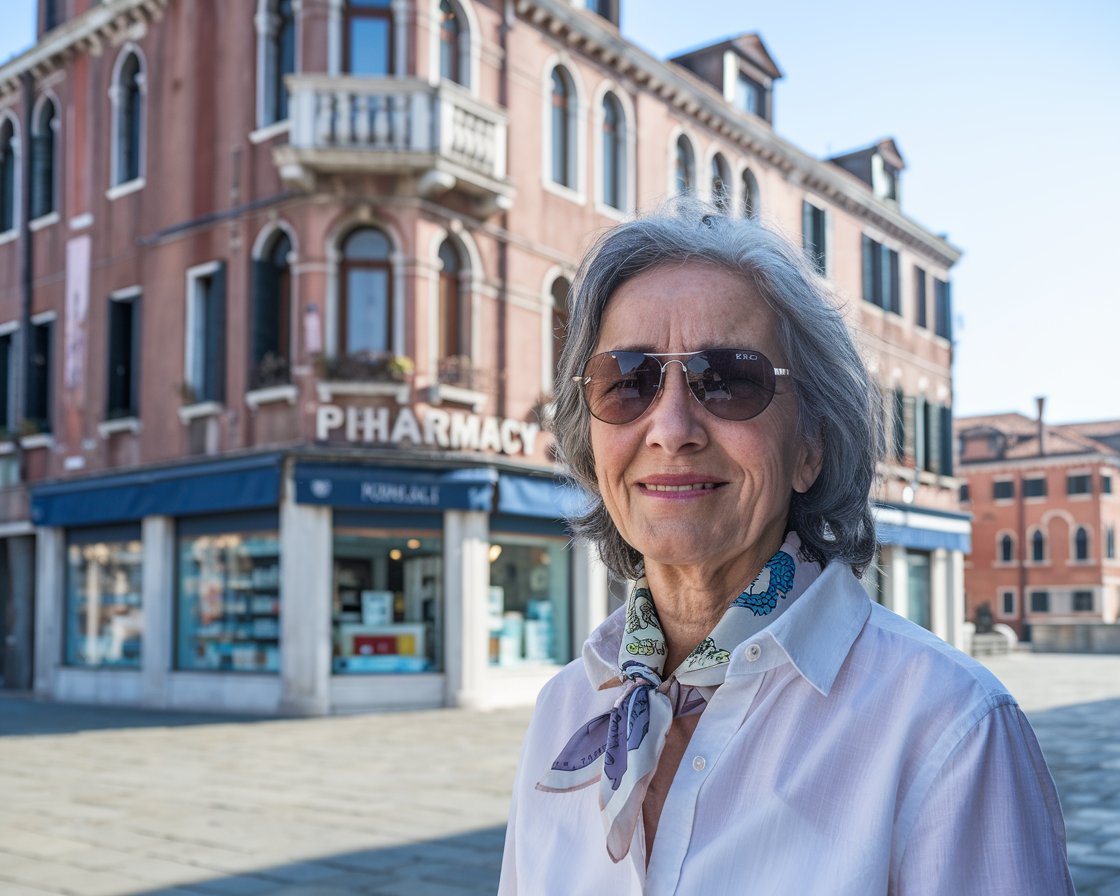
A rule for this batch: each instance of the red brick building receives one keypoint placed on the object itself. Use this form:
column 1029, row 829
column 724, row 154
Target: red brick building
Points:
column 1046, row 511
column 281, row 288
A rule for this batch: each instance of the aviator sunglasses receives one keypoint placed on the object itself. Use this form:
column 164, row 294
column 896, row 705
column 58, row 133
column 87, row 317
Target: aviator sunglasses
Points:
column 732, row 383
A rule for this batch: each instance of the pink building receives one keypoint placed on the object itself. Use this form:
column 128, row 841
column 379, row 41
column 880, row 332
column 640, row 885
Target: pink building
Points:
column 281, row 291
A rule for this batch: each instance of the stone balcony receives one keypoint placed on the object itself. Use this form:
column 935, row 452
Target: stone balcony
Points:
column 438, row 133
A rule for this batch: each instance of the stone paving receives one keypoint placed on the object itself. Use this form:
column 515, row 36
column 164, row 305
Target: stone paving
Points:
column 109, row 802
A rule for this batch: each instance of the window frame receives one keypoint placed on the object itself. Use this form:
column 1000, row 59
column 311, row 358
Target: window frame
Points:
column 1003, row 481
column 1081, row 545
column 44, row 159
column 204, row 364
column 39, row 397
column 11, row 194
column 1084, row 484
column 1039, row 546
column 1039, row 601
column 749, row 199
column 130, row 407
column 683, row 168
column 613, row 148
column 345, row 266
column 814, row 236
column 1003, row 612
column 720, row 185
column 272, row 303
column 1031, row 487
column 274, row 30
column 880, row 266
column 352, row 14
column 129, row 113
column 1082, row 593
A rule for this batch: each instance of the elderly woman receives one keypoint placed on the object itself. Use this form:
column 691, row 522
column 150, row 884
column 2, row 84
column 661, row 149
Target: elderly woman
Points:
column 750, row 721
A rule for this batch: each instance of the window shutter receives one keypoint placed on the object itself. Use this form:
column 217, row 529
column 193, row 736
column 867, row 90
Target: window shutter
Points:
column 884, row 272
column 119, row 360
column 909, row 429
column 38, row 405
column 946, row 440
column 266, row 327
column 921, row 432
column 895, row 293
column 136, row 343
column 5, row 381
column 934, row 438
column 807, row 229
column 214, row 369
column 40, row 174
column 898, row 425
column 868, row 246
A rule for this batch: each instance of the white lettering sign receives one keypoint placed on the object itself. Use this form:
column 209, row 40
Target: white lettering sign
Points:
column 434, row 427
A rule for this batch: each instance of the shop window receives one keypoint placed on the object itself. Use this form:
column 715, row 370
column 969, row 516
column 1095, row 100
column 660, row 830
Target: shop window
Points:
column 1006, row 548
column 368, row 41
column 205, row 374
column 942, row 309
column 387, row 609
column 1081, row 544
column 366, row 310
column 529, row 601
column 684, row 166
column 750, row 194
column 124, row 357
column 452, row 52
column 228, row 601
column 1003, row 489
column 1083, row 601
column 614, row 152
column 1079, row 484
column 562, row 140
column 37, row 411
column 920, row 310
column 104, row 613
column 127, row 96
column 721, row 183
column 1038, row 546
column 814, row 236
column 44, row 160
column 1034, row 487
column 272, row 314
column 453, row 342
column 277, row 48
column 880, row 275
column 1007, row 603
column 1040, row 601
column 9, row 180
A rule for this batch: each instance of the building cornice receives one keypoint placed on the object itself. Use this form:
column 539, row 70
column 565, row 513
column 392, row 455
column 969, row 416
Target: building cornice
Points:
column 107, row 23
column 1036, row 461
column 698, row 100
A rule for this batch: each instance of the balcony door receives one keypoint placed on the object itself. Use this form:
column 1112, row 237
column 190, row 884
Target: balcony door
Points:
column 368, row 44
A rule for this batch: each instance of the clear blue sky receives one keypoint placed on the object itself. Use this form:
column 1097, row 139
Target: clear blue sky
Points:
column 1008, row 116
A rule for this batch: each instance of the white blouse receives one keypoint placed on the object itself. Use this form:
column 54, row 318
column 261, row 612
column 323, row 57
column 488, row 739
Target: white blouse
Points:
column 848, row 752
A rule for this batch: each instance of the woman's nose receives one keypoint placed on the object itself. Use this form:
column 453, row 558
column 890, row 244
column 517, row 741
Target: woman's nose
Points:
column 675, row 421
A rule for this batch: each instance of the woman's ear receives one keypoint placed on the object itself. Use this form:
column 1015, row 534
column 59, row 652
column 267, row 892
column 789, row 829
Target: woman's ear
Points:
column 809, row 462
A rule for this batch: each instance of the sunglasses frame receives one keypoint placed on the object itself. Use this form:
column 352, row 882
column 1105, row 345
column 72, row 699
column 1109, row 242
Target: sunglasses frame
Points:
column 676, row 358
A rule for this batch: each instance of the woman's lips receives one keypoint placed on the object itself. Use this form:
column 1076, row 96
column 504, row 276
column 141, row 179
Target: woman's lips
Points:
column 678, row 485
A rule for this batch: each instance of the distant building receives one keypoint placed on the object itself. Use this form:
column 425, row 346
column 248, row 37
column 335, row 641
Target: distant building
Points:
column 1045, row 518
column 282, row 285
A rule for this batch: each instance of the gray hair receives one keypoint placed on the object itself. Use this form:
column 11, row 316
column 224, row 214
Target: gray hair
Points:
column 839, row 407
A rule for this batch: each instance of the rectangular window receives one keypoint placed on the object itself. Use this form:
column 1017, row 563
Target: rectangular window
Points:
column 880, row 275
column 388, row 601
column 1007, row 605
column 104, row 614
column 964, row 496
column 1034, row 487
column 1106, row 484
column 205, row 376
column 750, row 96
column 38, row 405
column 1003, row 489
column 1040, row 601
column 1083, row 601
column 920, row 297
column 813, row 236
column 124, row 358
column 1079, row 484
column 7, row 357
column 529, row 601
column 229, row 601
column 942, row 309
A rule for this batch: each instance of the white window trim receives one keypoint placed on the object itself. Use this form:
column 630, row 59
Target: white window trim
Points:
column 288, row 392
column 42, row 221
column 1035, row 499
column 56, row 175
column 1089, row 560
column 265, row 236
column 740, row 176
column 265, row 22
column 267, row 132
column 999, row 561
column 331, row 336
column 826, row 212
column 326, row 390
column 729, row 181
column 107, row 428
column 1001, row 502
column 1014, row 592
column 629, row 151
column 129, row 186
column 470, row 45
column 194, row 274
column 335, row 37
column 115, row 122
column 674, row 138
column 189, row 412
column 17, row 193
column 577, row 123
column 1028, row 548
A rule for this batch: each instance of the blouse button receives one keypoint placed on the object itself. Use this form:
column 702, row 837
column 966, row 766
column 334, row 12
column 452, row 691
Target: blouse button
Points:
column 698, row 763
column 753, row 652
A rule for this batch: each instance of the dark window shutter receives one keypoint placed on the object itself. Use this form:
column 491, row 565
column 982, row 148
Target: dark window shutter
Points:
column 920, row 432
column 898, row 425
column 895, row 293
column 135, row 348
column 909, row 429
column 7, row 181
column 37, row 406
column 5, row 380
column 884, row 277
column 946, row 441
column 933, row 438
column 214, row 364
column 266, row 326
column 868, row 246
column 119, row 360
column 920, row 296
column 41, row 174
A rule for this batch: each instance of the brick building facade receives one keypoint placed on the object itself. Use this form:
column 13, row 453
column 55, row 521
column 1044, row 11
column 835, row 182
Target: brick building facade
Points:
column 282, row 284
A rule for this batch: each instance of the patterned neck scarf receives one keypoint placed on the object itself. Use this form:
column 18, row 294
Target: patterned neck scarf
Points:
column 630, row 737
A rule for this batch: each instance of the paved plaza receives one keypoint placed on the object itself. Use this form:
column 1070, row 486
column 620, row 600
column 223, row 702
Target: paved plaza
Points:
column 107, row 802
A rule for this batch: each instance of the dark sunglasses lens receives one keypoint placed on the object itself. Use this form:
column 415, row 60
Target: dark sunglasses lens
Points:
column 621, row 385
column 733, row 384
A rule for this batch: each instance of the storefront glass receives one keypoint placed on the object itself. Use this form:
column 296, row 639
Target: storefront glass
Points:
column 387, row 601
column 229, row 602
column 104, row 616
column 918, row 587
column 529, row 600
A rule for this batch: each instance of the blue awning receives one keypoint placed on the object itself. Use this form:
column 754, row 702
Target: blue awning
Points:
column 922, row 539
column 355, row 486
column 211, row 487
column 534, row 496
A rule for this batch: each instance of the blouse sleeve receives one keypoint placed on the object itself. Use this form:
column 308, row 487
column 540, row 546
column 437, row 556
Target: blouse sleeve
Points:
column 991, row 823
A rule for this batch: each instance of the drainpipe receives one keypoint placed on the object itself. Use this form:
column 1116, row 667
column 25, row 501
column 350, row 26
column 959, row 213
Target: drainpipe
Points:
column 503, row 244
column 22, row 361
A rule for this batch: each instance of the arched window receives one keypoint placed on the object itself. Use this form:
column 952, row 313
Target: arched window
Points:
column 451, row 55
column 44, row 165
column 750, row 195
column 1038, row 546
column 685, row 167
column 563, row 126
column 278, row 49
column 365, row 319
column 1081, row 544
column 614, row 152
column 452, row 319
column 368, row 38
column 272, row 314
column 1006, row 549
column 560, row 289
column 721, row 183
column 128, row 122
column 9, row 146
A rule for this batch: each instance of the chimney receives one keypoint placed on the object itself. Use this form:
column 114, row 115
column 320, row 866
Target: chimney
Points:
column 1041, row 402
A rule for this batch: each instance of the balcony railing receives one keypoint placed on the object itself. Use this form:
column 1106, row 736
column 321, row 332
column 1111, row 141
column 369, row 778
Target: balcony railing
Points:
column 441, row 133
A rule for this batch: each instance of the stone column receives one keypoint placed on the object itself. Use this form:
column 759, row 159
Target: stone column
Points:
column 158, row 603
column 956, row 600
column 50, row 559
column 940, row 594
column 466, row 573
column 896, row 594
